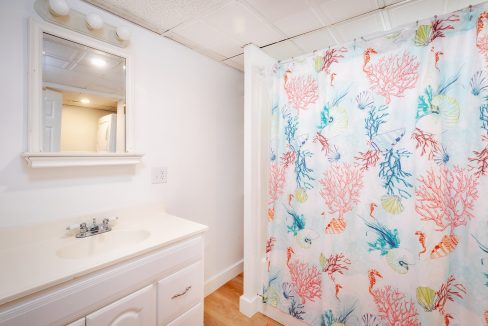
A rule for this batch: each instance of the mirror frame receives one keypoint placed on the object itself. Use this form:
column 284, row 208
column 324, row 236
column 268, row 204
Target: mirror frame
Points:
column 34, row 156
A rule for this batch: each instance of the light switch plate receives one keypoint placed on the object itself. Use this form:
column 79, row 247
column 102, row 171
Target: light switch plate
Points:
column 159, row 175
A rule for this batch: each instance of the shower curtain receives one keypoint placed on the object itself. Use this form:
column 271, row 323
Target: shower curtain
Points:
column 378, row 179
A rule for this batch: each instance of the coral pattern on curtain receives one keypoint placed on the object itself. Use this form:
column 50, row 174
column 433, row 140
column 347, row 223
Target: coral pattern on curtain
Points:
column 378, row 183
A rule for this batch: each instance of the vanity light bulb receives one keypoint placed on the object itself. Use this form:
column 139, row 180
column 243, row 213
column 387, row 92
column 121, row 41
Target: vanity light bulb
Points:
column 94, row 21
column 123, row 33
column 85, row 101
column 58, row 7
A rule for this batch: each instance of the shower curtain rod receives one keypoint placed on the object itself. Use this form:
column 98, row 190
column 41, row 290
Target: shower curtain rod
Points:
column 403, row 2
column 363, row 38
column 328, row 26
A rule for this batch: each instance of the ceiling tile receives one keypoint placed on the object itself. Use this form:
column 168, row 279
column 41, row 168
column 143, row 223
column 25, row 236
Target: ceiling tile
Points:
column 338, row 10
column 391, row 2
column 283, row 50
column 291, row 17
column 315, row 40
column 276, row 9
column 298, row 23
column 240, row 23
column 415, row 10
column 358, row 27
column 236, row 62
column 180, row 39
column 158, row 15
column 192, row 45
column 206, row 36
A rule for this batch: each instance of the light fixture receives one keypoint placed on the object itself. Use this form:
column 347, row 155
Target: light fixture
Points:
column 123, row 33
column 58, row 7
column 123, row 67
column 94, row 21
column 98, row 62
column 85, row 101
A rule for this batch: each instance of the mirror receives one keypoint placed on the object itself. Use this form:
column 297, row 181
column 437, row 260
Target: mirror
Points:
column 80, row 100
column 83, row 98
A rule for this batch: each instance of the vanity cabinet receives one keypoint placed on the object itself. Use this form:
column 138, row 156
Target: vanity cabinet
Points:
column 159, row 287
column 138, row 308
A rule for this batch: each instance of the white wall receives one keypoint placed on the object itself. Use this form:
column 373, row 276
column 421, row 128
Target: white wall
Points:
column 188, row 117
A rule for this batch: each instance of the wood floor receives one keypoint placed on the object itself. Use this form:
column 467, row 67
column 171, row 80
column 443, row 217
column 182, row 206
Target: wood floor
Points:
column 222, row 307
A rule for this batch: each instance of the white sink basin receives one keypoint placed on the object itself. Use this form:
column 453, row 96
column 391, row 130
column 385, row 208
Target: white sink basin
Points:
column 101, row 243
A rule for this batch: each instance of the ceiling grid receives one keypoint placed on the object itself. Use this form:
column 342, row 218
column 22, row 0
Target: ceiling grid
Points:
column 219, row 29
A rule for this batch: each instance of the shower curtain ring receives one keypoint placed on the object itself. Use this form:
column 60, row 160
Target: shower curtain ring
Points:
column 470, row 8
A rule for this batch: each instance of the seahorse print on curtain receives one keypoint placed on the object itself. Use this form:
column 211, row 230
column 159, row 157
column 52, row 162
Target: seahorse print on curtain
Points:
column 378, row 181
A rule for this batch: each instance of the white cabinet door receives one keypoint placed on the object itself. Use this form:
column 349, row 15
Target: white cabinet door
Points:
column 79, row 322
column 193, row 317
column 136, row 309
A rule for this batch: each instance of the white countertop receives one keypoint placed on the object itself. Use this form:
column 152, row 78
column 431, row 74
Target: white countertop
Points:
column 29, row 260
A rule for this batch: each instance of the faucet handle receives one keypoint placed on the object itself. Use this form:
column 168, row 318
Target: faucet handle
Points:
column 107, row 220
column 83, row 228
column 72, row 227
column 80, row 226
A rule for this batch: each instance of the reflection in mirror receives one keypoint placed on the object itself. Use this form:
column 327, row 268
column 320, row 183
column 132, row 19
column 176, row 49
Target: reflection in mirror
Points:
column 83, row 98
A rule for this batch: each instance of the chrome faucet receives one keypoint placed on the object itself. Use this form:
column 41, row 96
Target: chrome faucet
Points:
column 93, row 229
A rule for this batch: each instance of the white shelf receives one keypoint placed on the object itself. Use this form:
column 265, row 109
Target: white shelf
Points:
column 46, row 160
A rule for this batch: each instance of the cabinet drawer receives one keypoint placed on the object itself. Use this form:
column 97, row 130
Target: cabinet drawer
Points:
column 179, row 292
column 193, row 317
column 138, row 308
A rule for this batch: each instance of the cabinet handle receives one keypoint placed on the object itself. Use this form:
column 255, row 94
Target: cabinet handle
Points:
column 182, row 293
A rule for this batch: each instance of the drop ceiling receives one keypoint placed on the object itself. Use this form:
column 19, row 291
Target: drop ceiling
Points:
column 283, row 28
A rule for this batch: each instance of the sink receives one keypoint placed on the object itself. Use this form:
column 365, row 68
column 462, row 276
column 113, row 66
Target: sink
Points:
column 101, row 243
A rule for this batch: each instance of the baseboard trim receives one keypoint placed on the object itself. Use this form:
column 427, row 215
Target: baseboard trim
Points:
column 249, row 305
column 223, row 277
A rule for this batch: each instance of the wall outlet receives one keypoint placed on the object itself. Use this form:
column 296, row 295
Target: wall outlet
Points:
column 159, row 175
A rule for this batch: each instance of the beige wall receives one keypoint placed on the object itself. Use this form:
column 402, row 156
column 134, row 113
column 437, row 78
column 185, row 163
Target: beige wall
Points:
column 79, row 127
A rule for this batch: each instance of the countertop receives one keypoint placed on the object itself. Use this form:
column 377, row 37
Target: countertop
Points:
column 29, row 255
